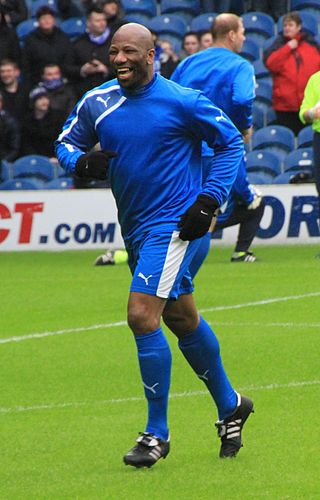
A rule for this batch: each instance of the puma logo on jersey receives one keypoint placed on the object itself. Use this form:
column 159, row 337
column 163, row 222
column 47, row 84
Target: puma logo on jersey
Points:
column 221, row 117
column 151, row 387
column 145, row 278
column 204, row 376
column 105, row 101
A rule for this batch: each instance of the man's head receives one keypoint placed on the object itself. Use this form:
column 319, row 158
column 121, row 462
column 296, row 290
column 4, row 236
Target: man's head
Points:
column 292, row 24
column 191, row 43
column 51, row 72
column 111, row 8
column 132, row 55
column 96, row 21
column 46, row 19
column 228, row 32
column 9, row 72
column 205, row 40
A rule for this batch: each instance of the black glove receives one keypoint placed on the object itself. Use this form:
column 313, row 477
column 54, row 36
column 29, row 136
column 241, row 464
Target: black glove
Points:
column 196, row 221
column 94, row 164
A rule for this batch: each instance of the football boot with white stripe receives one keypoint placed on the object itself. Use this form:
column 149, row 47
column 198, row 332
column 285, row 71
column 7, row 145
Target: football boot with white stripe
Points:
column 230, row 428
column 148, row 450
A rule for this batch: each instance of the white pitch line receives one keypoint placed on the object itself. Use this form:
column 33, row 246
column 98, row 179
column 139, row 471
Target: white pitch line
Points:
column 76, row 404
column 123, row 323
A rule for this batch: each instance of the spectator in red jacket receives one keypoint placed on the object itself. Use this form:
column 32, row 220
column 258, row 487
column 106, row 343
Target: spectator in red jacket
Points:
column 292, row 59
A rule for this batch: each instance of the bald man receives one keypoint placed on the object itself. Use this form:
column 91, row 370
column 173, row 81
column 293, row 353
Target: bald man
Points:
column 227, row 80
column 150, row 131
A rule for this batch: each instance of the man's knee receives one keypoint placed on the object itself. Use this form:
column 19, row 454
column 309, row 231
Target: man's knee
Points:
column 143, row 314
column 181, row 322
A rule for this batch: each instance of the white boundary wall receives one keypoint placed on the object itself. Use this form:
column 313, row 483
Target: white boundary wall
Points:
column 87, row 219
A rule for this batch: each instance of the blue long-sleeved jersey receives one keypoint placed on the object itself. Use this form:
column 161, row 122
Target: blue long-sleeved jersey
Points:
column 157, row 133
column 225, row 78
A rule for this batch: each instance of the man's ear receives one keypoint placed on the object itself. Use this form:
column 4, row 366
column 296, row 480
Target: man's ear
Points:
column 150, row 56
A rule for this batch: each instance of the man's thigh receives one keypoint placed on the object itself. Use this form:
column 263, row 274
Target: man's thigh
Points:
column 160, row 264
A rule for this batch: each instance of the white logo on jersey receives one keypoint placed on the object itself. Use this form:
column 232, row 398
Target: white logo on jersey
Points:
column 145, row 278
column 151, row 388
column 105, row 101
column 204, row 375
column 221, row 117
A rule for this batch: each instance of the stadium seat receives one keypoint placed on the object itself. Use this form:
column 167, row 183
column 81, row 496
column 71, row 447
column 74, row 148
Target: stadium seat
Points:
column 299, row 160
column 36, row 166
column 24, row 28
column 268, row 43
column 258, row 26
column 263, row 162
column 305, row 137
column 16, row 184
column 168, row 24
column 310, row 6
column 73, row 27
column 146, row 7
column 138, row 17
column 260, row 70
column 250, row 50
column 203, row 22
column 184, row 8
column 283, row 178
column 258, row 116
column 5, row 171
column 257, row 178
column 60, row 183
column 274, row 138
column 271, row 116
column 36, row 4
column 309, row 23
column 263, row 93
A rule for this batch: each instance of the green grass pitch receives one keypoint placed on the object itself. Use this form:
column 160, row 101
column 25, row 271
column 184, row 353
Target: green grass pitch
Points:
column 71, row 401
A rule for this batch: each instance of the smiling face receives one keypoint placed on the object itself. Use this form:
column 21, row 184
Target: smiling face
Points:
column 291, row 28
column 131, row 55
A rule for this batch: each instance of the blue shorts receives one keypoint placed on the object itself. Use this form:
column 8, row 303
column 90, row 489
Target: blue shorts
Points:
column 159, row 263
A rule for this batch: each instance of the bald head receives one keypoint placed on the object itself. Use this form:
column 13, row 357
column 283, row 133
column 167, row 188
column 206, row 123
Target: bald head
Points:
column 132, row 55
column 227, row 31
column 134, row 31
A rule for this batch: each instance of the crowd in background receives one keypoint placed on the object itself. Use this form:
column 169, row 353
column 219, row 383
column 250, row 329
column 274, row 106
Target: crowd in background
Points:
column 42, row 78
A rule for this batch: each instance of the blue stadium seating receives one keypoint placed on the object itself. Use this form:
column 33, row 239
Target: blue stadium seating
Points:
column 283, row 178
column 250, row 50
column 258, row 26
column 300, row 160
column 268, row 43
column 5, row 170
column 260, row 70
column 203, row 22
column 17, row 184
column 36, row 166
column 146, row 7
column 184, row 8
column 138, row 17
column 310, row 6
column 73, row 27
column 305, row 137
column 274, row 138
column 24, row 28
column 258, row 116
column 263, row 93
column 309, row 23
column 60, row 183
column 168, row 24
column 263, row 162
column 257, row 178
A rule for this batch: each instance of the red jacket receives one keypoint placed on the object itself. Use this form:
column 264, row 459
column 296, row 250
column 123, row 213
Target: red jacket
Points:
column 291, row 69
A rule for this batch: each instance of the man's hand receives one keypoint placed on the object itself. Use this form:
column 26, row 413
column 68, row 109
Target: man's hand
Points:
column 257, row 198
column 94, row 164
column 196, row 221
column 293, row 44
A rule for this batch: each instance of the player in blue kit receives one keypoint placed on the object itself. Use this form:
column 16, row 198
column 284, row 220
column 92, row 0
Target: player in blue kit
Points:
column 227, row 80
column 150, row 131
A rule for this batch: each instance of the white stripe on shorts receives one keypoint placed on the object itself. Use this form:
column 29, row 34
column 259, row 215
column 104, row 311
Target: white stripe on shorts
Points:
column 175, row 255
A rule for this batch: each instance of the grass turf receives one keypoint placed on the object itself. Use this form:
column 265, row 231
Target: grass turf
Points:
column 71, row 403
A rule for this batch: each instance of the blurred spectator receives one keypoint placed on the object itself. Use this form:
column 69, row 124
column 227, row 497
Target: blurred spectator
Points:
column 310, row 114
column 41, row 126
column 9, row 135
column 169, row 59
column 70, row 8
column 114, row 12
column 275, row 8
column 219, row 6
column 62, row 97
column 206, row 40
column 15, row 94
column 87, row 65
column 292, row 59
column 13, row 11
column 9, row 43
column 46, row 44
column 190, row 44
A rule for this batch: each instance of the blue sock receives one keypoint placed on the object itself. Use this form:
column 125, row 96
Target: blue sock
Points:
column 200, row 255
column 155, row 368
column 201, row 350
